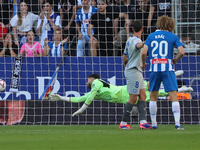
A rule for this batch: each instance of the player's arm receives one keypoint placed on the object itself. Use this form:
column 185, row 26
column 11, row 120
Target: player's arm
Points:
column 56, row 97
column 144, row 55
column 180, row 54
column 125, row 60
column 140, row 45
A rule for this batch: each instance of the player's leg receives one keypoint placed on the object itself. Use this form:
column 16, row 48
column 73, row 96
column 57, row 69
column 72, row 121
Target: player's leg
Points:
column 127, row 110
column 154, row 85
column 171, row 86
column 133, row 89
column 141, row 105
column 153, row 108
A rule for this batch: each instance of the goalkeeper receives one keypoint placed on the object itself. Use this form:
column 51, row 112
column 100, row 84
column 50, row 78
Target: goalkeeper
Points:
column 100, row 90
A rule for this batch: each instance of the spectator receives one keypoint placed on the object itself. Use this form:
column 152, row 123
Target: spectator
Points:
column 22, row 23
column 56, row 48
column 102, row 22
column 83, row 16
column 31, row 48
column 9, row 47
column 68, row 15
column 48, row 22
column 158, row 8
column 139, row 12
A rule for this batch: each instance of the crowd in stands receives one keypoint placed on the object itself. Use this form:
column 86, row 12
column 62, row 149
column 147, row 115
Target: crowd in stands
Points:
column 101, row 27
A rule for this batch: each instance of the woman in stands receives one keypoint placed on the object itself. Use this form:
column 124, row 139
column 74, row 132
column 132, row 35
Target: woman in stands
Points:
column 31, row 48
column 9, row 47
column 22, row 23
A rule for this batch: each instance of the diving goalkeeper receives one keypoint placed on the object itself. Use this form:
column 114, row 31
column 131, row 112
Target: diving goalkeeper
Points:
column 101, row 90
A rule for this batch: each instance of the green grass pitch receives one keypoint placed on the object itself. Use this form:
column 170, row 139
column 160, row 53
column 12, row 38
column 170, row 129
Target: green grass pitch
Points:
column 98, row 137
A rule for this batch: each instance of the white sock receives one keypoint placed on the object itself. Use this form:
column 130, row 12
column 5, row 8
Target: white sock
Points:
column 65, row 98
column 176, row 112
column 180, row 90
column 153, row 111
column 123, row 123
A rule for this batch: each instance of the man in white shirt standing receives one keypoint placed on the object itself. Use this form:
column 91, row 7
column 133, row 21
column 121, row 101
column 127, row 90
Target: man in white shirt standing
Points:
column 48, row 22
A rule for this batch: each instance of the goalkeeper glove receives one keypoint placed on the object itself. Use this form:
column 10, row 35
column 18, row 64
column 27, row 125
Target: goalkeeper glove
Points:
column 56, row 97
column 81, row 110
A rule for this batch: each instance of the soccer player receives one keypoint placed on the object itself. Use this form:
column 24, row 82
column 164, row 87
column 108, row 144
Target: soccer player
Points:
column 133, row 73
column 114, row 94
column 83, row 16
column 159, row 46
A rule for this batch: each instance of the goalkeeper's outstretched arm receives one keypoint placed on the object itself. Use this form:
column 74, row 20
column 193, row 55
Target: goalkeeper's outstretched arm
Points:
column 56, row 97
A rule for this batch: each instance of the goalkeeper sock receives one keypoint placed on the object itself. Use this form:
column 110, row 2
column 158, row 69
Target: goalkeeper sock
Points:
column 127, row 109
column 64, row 98
column 141, row 105
column 176, row 112
column 153, row 111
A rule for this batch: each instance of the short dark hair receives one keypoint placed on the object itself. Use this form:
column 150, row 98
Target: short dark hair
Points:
column 94, row 75
column 137, row 26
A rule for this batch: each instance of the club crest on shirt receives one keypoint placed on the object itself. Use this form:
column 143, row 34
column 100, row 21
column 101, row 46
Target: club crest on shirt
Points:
column 107, row 19
column 52, row 19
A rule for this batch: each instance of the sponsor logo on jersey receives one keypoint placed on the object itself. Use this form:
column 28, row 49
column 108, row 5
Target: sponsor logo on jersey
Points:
column 160, row 61
column 86, row 21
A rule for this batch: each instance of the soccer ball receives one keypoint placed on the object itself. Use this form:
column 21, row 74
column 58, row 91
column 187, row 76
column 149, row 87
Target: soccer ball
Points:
column 2, row 85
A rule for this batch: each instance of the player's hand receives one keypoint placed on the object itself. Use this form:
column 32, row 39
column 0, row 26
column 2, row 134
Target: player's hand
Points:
column 65, row 40
column 174, row 61
column 81, row 110
column 55, row 97
column 78, row 112
column 144, row 66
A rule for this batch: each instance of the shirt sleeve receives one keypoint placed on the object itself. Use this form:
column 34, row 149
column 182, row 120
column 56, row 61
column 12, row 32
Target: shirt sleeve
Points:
column 93, row 20
column 96, row 85
column 178, row 42
column 77, row 17
column 57, row 22
column 147, row 42
column 80, row 99
column 39, row 22
column 13, row 21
